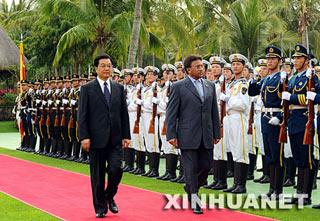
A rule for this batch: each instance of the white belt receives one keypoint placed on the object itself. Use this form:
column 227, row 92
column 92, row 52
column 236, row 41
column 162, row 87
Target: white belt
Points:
column 270, row 110
column 297, row 107
column 231, row 112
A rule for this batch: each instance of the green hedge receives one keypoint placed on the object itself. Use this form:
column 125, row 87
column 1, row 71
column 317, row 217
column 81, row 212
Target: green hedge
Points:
column 8, row 99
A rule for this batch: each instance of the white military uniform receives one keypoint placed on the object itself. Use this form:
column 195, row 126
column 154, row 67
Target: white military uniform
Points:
column 237, row 110
column 151, row 140
column 258, row 141
column 166, row 146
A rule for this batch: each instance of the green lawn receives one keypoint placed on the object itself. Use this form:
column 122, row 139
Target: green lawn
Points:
column 12, row 209
column 156, row 185
column 7, row 127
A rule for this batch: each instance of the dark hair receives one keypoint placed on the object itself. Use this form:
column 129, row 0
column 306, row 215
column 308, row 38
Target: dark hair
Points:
column 99, row 57
column 188, row 61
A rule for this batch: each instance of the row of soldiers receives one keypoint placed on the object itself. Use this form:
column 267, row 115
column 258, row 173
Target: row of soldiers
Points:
column 251, row 105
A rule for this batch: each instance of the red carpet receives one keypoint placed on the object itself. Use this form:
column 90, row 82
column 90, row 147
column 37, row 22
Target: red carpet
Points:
column 67, row 195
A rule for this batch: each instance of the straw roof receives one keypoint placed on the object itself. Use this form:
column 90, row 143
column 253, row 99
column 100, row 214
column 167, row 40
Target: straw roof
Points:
column 9, row 52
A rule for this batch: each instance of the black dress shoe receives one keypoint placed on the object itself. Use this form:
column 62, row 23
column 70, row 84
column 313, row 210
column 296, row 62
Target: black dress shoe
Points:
column 266, row 179
column 113, row 206
column 100, row 215
column 220, row 186
column 147, row 173
column 250, row 177
column 153, row 174
column 239, row 189
column 163, row 176
column 229, row 190
column 258, row 179
column 316, row 206
column 289, row 182
column 139, row 172
column 170, row 177
column 197, row 210
column 210, row 186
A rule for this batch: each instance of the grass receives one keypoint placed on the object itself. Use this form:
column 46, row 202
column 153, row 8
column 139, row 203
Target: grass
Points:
column 12, row 209
column 158, row 186
column 7, row 127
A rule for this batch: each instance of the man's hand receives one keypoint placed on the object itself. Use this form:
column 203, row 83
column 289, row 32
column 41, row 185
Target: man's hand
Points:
column 125, row 143
column 173, row 142
column 85, row 144
column 215, row 141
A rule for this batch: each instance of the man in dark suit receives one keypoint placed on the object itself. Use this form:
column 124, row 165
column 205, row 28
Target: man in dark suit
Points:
column 193, row 125
column 103, row 131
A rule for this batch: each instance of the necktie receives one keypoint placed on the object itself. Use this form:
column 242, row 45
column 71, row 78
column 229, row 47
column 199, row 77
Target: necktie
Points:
column 199, row 89
column 107, row 92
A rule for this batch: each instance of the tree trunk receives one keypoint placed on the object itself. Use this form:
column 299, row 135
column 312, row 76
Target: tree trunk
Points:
column 135, row 34
column 140, row 54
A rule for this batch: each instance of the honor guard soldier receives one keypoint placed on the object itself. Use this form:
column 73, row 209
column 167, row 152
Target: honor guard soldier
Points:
column 219, row 151
column 116, row 74
column 73, row 125
column 258, row 107
column 31, row 114
column 237, row 105
column 45, row 116
column 129, row 153
column 39, row 112
column 65, row 118
column 180, row 70
column 25, row 136
column 170, row 152
column 16, row 111
column 150, row 120
column 51, row 117
column 270, row 89
column 296, row 96
column 136, row 125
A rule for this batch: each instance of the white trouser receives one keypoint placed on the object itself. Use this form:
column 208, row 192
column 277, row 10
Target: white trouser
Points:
column 136, row 139
column 219, row 151
column 152, row 142
column 287, row 149
column 238, row 137
column 258, row 133
column 226, row 124
column 166, row 146
column 251, row 143
column 316, row 151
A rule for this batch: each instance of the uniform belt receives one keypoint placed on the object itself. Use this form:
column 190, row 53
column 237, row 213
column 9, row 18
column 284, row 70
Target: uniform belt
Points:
column 231, row 112
column 54, row 108
column 297, row 107
column 270, row 110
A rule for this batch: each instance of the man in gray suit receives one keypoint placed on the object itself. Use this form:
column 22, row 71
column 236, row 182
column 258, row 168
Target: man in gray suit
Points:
column 193, row 126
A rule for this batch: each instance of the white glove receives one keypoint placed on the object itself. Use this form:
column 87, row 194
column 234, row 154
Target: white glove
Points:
column 308, row 73
column 139, row 101
column 30, row 90
column 286, row 96
column 274, row 121
column 311, row 95
column 224, row 97
column 154, row 85
column 73, row 102
column 155, row 100
column 254, row 99
column 167, row 83
column 43, row 91
column 64, row 90
column 50, row 102
column 38, row 101
column 128, row 102
column 44, row 103
column 221, row 79
column 138, row 86
column 283, row 75
column 65, row 101
column 57, row 102
column 166, row 99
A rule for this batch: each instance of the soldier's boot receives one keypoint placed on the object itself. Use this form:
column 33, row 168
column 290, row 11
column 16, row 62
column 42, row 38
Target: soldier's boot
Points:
column 173, row 161
column 166, row 174
column 243, row 172
column 47, row 146
column 264, row 170
column 252, row 166
column 272, row 183
column 53, row 150
column 300, row 182
column 236, row 178
column 141, row 163
column 155, row 165
column 41, row 145
column 149, row 162
column 290, row 172
column 215, row 175
column 125, row 159
column 223, row 170
column 279, row 176
column 230, row 165
column 60, row 148
column 131, row 156
column 181, row 173
column 67, row 150
column 266, row 177
column 308, row 177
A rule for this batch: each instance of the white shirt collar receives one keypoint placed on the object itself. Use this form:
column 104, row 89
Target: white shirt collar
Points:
column 101, row 82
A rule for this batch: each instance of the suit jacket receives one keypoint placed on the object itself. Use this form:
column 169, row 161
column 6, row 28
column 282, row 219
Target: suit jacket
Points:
column 189, row 119
column 102, row 123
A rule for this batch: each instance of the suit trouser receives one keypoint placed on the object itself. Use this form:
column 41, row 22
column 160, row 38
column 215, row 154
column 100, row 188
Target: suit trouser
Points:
column 98, row 159
column 196, row 165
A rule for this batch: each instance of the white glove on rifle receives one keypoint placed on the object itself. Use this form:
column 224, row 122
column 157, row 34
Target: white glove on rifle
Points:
column 50, row 102
column 57, row 102
column 65, row 101
column 44, row 103
column 221, row 79
column 155, row 100
column 286, row 96
column 38, row 101
column 283, row 75
column 311, row 95
column 166, row 99
column 73, row 102
column 274, row 121
column 139, row 101
column 224, row 97
column 308, row 73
